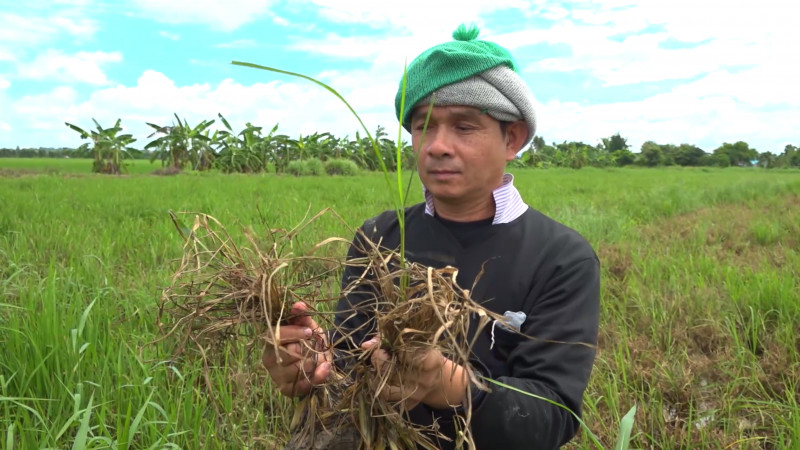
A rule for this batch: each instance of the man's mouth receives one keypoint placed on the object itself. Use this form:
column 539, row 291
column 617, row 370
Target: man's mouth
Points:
column 442, row 174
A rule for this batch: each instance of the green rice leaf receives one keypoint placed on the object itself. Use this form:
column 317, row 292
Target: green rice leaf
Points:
column 83, row 431
column 625, row 429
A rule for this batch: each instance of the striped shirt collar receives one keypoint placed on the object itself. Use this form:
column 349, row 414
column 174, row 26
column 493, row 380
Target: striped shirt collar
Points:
column 508, row 203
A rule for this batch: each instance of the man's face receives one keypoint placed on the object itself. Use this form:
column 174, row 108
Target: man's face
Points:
column 464, row 152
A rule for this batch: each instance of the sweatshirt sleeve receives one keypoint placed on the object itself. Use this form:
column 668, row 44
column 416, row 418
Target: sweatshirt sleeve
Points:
column 354, row 317
column 567, row 311
column 352, row 321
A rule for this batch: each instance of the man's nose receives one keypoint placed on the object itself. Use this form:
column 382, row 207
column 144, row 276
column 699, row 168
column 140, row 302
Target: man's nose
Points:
column 438, row 143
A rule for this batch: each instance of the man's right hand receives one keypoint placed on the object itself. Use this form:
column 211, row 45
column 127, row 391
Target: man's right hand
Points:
column 296, row 367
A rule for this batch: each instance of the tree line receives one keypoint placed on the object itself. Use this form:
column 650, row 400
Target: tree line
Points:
column 182, row 146
column 615, row 151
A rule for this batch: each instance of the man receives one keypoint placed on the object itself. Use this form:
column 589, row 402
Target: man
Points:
column 542, row 275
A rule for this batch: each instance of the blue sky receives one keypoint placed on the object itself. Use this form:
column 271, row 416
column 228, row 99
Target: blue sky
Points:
column 701, row 72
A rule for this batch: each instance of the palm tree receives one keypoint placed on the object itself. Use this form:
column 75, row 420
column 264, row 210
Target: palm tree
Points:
column 108, row 146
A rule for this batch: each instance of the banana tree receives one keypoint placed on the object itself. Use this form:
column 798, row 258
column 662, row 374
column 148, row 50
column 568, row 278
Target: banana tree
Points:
column 243, row 152
column 283, row 151
column 182, row 144
column 228, row 147
column 320, row 145
column 266, row 147
column 366, row 156
column 108, row 147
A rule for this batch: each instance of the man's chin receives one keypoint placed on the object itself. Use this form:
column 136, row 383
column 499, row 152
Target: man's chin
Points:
column 445, row 195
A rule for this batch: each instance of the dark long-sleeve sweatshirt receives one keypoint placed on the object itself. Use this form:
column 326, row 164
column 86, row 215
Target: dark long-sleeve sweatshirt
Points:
column 532, row 265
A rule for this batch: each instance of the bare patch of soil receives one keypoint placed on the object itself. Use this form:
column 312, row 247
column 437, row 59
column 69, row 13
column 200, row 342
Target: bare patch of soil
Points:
column 167, row 171
column 728, row 232
column 17, row 173
column 676, row 351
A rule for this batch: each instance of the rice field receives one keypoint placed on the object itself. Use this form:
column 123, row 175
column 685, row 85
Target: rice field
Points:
column 700, row 302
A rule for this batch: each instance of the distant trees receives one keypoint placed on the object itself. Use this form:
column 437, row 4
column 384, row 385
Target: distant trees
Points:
column 252, row 150
column 737, row 154
column 689, row 155
column 789, row 158
column 651, row 155
column 615, row 151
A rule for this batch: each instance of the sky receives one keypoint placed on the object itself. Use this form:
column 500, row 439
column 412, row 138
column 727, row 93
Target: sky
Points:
column 702, row 72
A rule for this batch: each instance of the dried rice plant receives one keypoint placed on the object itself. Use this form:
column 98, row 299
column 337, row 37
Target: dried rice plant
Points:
column 417, row 309
column 221, row 293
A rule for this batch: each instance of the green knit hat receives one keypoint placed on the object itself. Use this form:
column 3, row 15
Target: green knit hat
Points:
column 456, row 61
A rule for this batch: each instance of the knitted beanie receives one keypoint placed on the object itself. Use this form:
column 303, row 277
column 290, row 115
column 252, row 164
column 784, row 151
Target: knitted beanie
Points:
column 468, row 72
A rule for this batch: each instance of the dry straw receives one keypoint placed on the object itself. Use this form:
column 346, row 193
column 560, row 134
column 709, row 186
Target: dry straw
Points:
column 222, row 293
column 417, row 309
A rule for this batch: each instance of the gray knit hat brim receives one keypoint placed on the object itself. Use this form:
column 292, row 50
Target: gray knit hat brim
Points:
column 500, row 91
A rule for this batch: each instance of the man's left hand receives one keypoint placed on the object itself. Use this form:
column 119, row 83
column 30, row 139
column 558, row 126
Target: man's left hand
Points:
column 431, row 378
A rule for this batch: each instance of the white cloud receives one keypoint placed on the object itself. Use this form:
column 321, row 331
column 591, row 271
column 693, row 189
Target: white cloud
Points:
column 5, row 127
column 554, row 13
column 299, row 107
column 225, row 16
column 81, row 67
column 351, row 47
column 741, row 89
column 239, row 43
column 4, row 84
column 170, row 36
column 46, row 111
column 417, row 16
column 17, row 31
column 715, row 109
column 731, row 33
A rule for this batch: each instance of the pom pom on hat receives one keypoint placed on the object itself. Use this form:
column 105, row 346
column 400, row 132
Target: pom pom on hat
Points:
column 463, row 33
column 464, row 58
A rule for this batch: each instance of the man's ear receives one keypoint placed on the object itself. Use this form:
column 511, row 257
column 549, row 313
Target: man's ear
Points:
column 516, row 133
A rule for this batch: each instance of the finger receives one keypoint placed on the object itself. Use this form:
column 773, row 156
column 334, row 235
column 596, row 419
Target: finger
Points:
column 375, row 340
column 312, row 363
column 289, row 354
column 272, row 355
column 379, row 359
column 281, row 356
column 295, row 387
column 433, row 360
column 321, row 373
column 404, row 396
column 290, row 333
column 269, row 360
column 300, row 315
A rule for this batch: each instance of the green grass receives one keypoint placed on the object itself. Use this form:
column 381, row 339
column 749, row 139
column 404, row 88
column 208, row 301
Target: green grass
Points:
column 699, row 302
